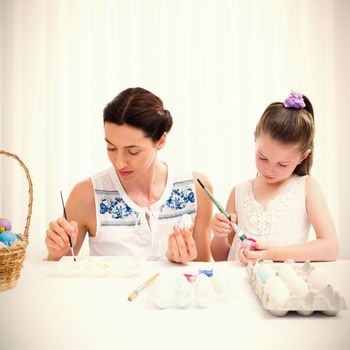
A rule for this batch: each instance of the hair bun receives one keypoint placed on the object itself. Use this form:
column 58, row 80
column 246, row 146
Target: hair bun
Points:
column 168, row 122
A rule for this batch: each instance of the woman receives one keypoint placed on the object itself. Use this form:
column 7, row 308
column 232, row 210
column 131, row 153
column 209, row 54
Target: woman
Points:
column 133, row 207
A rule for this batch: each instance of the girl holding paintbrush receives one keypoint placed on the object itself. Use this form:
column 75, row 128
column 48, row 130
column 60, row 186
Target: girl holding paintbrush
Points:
column 277, row 207
column 133, row 207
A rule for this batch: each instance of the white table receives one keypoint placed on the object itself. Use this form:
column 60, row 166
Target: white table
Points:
column 44, row 312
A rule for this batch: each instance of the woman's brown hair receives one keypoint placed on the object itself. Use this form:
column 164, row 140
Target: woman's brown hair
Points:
column 141, row 109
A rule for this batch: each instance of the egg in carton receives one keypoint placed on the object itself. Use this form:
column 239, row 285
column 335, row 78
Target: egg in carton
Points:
column 291, row 287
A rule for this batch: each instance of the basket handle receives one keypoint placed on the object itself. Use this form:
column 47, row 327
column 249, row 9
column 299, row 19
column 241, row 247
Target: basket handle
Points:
column 30, row 191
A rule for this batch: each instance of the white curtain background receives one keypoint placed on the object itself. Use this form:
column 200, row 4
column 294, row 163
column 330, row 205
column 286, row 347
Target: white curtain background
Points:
column 216, row 65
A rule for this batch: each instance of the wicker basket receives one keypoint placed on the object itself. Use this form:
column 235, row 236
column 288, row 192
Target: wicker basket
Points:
column 11, row 258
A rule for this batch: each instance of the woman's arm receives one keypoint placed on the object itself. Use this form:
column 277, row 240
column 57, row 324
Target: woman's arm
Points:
column 201, row 229
column 80, row 209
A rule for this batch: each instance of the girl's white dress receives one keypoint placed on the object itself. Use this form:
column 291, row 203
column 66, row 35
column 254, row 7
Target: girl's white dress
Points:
column 284, row 222
column 122, row 227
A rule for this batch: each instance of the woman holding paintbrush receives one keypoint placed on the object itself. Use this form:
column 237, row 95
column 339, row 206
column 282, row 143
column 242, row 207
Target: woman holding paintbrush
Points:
column 133, row 207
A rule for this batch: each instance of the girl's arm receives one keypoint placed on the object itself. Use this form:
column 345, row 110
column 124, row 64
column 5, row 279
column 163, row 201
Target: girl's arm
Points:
column 325, row 247
column 223, row 233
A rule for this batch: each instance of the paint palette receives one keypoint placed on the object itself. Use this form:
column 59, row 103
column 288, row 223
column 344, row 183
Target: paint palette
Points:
column 98, row 266
column 293, row 287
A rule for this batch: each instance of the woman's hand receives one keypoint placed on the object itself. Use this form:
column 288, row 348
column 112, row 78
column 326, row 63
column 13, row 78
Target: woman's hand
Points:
column 57, row 237
column 221, row 225
column 181, row 246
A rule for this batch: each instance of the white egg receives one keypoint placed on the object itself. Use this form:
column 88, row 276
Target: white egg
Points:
column 178, row 280
column 299, row 287
column 222, row 287
column 205, row 294
column 201, row 279
column 185, row 221
column 279, row 294
column 318, row 280
column 271, row 283
column 183, row 291
column 160, row 293
column 287, row 272
column 184, row 296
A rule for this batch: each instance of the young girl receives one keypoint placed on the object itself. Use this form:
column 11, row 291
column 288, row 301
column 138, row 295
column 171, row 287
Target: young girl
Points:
column 133, row 207
column 277, row 207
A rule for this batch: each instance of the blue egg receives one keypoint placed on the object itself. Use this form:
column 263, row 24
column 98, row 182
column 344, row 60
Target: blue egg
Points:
column 265, row 272
column 8, row 237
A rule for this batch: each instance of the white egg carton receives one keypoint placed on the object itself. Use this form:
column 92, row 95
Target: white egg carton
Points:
column 319, row 296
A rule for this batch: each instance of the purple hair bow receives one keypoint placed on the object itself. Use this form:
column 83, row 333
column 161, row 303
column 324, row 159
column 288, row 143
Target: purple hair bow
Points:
column 294, row 100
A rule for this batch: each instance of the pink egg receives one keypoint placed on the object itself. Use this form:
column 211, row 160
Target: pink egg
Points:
column 5, row 225
column 247, row 243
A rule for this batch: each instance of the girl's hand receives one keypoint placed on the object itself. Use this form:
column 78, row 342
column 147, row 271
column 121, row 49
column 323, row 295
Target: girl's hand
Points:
column 242, row 256
column 262, row 251
column 181, row 246
column 221, row 225
column 57, row 237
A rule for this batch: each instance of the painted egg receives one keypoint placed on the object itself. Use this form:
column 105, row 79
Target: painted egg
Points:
column 5, row 225
column 8, row 237
column 265, row 272
column 247, row 243
column 257, row 266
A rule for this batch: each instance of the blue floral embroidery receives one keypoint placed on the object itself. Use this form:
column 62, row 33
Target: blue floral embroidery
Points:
column 180, row 197
column 116, row 207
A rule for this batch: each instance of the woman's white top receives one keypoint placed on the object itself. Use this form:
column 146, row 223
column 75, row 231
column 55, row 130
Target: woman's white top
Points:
column 122, row 227
column 283, row 222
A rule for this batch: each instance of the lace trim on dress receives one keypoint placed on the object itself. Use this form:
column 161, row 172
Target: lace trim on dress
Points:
column 260, row 222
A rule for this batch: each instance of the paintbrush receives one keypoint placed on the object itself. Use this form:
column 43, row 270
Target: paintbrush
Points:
column 136, row 292
column 242, row 236
column 65, row 216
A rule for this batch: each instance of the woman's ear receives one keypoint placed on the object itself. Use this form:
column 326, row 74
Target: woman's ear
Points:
column 161, row 142
column 305, row 155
